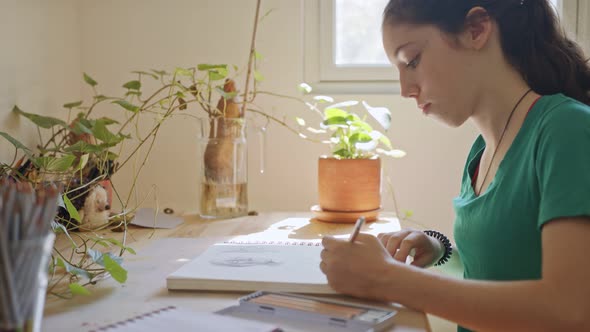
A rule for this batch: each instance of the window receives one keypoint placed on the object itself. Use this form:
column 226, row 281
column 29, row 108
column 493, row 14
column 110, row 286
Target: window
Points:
column 343, row 50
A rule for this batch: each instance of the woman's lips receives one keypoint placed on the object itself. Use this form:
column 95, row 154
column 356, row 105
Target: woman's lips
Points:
column 424, row 107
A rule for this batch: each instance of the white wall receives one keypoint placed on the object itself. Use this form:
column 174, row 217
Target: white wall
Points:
column 39, row 64
column 121, row 36
column 50, row 45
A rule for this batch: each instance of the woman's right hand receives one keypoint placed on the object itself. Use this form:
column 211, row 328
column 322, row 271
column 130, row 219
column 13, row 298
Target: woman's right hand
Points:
column 427, row 250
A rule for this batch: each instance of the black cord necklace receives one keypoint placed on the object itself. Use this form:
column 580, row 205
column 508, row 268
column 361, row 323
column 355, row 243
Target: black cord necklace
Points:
column 500, row 140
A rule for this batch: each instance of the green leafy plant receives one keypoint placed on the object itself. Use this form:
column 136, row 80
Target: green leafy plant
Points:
column 350, row 135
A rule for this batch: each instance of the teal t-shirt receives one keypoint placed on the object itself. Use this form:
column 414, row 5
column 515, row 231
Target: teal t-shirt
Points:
column 544, row 175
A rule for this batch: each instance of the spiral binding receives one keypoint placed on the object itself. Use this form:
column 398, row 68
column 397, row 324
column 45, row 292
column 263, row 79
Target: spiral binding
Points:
column 133, row 319
column 446, row 243
column 282, row 243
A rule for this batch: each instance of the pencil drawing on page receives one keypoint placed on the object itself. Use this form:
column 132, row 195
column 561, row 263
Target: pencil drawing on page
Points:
column 244, row 261
column 248, row 249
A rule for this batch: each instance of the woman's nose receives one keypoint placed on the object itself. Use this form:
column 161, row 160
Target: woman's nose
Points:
column 409, row 89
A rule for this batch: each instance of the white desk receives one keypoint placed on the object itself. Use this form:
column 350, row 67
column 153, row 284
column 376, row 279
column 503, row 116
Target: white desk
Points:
column 163, row 251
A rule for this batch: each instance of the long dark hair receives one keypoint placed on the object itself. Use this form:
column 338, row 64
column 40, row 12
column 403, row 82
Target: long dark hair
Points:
column 530, row 35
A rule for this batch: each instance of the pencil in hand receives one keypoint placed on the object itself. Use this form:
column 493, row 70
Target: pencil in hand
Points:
column 357, row 228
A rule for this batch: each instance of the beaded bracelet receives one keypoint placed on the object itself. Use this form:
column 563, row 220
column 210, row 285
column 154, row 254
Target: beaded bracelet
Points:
column 446, row 243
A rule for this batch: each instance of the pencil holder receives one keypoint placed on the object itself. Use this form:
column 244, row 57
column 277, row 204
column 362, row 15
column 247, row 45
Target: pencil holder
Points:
column 23, row 282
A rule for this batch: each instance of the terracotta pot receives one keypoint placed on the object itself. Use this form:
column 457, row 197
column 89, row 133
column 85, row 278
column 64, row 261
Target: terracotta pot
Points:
column 349, row 184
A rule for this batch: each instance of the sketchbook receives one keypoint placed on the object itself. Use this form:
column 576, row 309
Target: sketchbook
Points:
column 252, row 266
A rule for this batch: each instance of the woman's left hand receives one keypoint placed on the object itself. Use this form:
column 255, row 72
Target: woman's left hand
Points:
column 362, row 268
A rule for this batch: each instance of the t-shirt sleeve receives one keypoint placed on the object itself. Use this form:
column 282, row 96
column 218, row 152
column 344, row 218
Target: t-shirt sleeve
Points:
column 563, row 162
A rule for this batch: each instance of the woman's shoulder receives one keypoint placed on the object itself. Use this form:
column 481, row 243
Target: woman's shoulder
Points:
column 561, row 108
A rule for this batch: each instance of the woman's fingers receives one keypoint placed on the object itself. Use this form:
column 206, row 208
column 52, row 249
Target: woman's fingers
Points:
column 394, row 241
column 407, row 244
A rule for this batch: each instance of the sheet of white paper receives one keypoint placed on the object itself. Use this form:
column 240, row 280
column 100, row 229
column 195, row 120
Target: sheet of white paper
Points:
column 144, row 217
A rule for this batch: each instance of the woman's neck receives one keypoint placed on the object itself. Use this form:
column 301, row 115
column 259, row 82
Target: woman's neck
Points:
column 497, row 101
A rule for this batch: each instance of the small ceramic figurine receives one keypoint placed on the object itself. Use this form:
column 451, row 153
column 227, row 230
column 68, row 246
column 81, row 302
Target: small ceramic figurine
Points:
column 95, row 211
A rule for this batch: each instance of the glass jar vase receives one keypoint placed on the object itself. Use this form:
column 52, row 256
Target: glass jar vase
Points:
column 223, row 173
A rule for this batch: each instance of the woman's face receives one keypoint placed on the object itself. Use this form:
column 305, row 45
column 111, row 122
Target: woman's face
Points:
column 434, row 69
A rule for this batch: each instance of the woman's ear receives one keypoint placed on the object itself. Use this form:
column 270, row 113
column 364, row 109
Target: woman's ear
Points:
column 478, row 29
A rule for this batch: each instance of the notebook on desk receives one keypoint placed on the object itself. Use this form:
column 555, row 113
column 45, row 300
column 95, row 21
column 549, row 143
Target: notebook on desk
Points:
column 251, row 266
column 181, row 320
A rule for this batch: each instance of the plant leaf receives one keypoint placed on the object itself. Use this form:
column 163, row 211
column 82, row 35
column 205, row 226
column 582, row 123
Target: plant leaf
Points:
column 392, row 153
column 226, row 95
column 15, row 142
column 89, row 80
column 83, row 161
column 73, row 269
column 182, row 104
column 381, row 114
column 72, row 105
column 98, row 257
column 304, row 88
column 385, row 140
column 132, row 85
column 258, row 76
column 83, row 147
column 159, row 72
column 366, row 146
column 204, row 66
column 337, row 121
column 300, row 121
column 183, row 72
column 344, row 104
column 71, row 209
column 41, row 121
column 117, row 272
column 54, row 164
column 215, row 75
column 257, row 55
column 343, row 153
column 77, row 289
column 335, row 112
column 100, row 97
column 95, row 256
column 101, row 133
column 133, row 93
column 359, row 138
column 359, row 124
column 324, row 99
column 107, row 121
column 126, row 105
column 79, row 127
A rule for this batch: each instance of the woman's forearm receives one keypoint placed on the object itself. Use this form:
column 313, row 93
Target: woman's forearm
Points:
column 533, row 305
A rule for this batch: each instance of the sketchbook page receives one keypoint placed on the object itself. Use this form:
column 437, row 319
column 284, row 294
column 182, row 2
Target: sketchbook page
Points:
column 181, row 320
column 251, row 267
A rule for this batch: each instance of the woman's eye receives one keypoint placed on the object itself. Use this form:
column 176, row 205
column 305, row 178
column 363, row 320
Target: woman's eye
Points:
column 414, row 63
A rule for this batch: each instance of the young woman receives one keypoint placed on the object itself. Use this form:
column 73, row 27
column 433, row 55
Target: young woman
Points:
column 522, row 225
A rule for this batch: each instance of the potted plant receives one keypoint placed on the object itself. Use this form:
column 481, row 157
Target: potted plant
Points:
column 349, row 179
